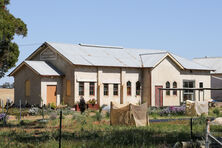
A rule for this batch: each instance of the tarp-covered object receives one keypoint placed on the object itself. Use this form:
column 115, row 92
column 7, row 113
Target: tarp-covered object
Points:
column 194, row 108
column 128, row 114
column 217, row 121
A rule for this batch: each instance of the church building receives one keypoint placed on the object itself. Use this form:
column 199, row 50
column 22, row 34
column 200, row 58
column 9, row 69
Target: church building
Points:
column 63, row 73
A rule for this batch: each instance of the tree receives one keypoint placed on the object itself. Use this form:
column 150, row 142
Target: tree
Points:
column 7, row 85
column 9, row 27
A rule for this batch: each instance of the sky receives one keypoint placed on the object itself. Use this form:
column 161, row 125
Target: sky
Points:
column 191, row 28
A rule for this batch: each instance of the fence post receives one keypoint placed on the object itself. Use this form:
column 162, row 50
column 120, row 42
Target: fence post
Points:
column 20, row 105
column 60, row 129
column 191, row 128
column 207, row 133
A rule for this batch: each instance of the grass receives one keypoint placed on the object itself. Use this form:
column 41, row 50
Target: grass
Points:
column 88, row 130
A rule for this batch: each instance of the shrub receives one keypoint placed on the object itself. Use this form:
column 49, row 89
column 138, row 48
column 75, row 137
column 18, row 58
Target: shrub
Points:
column 216, row 111
column 98, row 116
column 52, row 105
column 53, row 116
column 91, row 101
column 34, row 111
column 107, row 114
column 173, row 111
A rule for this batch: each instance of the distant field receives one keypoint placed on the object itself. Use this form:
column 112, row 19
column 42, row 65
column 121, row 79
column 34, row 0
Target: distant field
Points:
column 6, row 93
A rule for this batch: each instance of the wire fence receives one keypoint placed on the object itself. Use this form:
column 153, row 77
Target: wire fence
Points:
column 161, row 132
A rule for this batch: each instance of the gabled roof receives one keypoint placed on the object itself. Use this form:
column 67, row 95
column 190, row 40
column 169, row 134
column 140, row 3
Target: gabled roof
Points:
column 39, row 67
column 211, row 62
column 94, row 55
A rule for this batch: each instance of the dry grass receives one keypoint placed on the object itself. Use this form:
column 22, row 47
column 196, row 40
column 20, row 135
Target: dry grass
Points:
column 6, row 93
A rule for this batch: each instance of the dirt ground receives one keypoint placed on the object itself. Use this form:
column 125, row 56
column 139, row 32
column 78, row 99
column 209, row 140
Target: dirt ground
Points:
column 6, row 93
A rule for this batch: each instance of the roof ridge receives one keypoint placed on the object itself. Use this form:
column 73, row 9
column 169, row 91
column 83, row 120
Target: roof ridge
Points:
column 153, row 53
column 100, row 46
column 206, row 57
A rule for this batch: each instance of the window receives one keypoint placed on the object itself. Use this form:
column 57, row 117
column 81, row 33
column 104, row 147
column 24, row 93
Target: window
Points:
column 128, row 88
column 188, row 94
column 106, row 89
column 137, row 88
column 68, row 88
column 27, row 88
column 115, row 89
column 167, row 86
column 81, row 88
column 174, row 86
column 92, row 88
column 201, row 85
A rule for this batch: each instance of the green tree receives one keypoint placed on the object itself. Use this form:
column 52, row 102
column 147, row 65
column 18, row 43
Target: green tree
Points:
column 9, row 27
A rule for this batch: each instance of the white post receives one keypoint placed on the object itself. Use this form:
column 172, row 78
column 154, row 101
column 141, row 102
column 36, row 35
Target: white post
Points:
column 207, row 133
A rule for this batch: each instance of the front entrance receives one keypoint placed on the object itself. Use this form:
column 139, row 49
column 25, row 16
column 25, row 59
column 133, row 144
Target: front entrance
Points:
column 158, row 96
column 51, row 94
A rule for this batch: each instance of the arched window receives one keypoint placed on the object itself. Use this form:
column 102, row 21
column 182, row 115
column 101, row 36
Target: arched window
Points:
column 168, row 86
column 128, row 84
column 174, row 86
column 137, row 88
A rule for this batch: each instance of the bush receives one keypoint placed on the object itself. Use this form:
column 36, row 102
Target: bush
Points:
column 98, row 116
column 33, row 111
column 216, row 111
column 173, row 111
column 52, row 105
column 53, row 116
column 107, row 114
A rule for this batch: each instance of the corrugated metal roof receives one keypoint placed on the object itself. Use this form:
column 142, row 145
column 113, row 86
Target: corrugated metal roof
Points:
column 211, row 62
column 189, row 64
column 118, row 57
column 43, row 68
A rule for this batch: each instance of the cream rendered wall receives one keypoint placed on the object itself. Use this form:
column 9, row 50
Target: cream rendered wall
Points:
column 168, row 71
column 133, row 75
column 84, row 74
column 108, row 75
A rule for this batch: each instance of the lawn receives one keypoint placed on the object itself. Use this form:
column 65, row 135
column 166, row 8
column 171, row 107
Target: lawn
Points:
column 92, row 129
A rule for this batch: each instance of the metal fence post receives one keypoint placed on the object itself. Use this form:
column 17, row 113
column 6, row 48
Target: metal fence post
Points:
column 60, row 129
column 207, row 133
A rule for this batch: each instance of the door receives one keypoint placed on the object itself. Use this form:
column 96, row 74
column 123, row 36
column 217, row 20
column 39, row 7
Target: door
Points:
column 51, row 94
column 158, row 96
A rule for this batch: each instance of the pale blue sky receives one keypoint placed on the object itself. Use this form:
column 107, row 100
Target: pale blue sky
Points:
column 189, row 28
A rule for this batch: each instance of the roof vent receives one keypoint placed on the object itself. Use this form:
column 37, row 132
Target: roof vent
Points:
column 100, row 46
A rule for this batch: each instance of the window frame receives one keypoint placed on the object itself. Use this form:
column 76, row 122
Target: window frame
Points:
column 189, row 92
column 138, row 92
column 82, row 86
column 115, row 90
column 92, row 88
column 105, row 89
column 167, row 91
column 200, row 83
column 129, row 88
column 175, row 86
